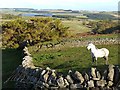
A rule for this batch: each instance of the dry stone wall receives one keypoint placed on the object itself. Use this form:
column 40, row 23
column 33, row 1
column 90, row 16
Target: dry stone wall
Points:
column 79, row 42
column 36, row 78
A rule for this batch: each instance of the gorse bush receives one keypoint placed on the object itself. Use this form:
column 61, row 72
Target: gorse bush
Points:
column 34, row 30
column 104, row 26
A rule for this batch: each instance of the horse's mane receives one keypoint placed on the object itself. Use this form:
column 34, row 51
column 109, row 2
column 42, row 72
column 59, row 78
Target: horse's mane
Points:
column 92, row 44
column 96, row 47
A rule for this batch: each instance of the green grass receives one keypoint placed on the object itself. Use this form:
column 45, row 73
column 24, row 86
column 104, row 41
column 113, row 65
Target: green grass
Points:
column 76, row 26
column 11, row 59
column 77, row 58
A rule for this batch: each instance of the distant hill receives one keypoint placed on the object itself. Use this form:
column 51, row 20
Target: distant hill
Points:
column 100, row 16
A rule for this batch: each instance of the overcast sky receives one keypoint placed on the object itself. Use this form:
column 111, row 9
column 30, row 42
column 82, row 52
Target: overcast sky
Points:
column 102, row 5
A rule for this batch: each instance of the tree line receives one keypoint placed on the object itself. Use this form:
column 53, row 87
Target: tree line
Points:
column 100, row 16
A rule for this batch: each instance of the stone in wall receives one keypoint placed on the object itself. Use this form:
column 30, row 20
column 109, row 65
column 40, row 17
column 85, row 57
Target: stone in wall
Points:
column 60, row 82
column 101, row 83
column 110, row 72
column 69, row 79
column 90, row 83
column 79, row 77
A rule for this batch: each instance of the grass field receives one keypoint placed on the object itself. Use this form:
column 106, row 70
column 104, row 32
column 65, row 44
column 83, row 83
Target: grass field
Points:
column 76, row 26
column 77, row 58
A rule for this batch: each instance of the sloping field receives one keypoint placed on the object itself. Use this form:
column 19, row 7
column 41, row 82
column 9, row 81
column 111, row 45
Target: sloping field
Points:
column 76, row 27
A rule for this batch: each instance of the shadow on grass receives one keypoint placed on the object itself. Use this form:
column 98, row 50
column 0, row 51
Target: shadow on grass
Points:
column 63, row 68
column 11, row 59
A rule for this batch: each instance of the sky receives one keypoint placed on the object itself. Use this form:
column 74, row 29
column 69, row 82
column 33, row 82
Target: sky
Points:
column 97, row 5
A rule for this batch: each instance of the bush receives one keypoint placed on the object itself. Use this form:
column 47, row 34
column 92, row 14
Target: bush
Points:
column 32, row 31
column 104, row 26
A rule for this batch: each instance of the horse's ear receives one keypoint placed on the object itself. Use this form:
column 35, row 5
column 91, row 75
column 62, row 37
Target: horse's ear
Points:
column 89, row 42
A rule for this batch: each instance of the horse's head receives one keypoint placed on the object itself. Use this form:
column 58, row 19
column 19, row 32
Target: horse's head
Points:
column 90, row 45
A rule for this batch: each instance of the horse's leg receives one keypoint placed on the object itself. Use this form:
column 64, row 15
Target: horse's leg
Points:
column 93, row 60
column 106, row 60
column 96, row 60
